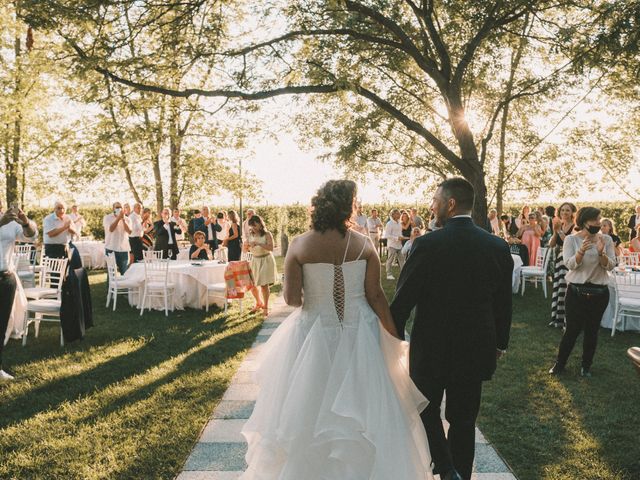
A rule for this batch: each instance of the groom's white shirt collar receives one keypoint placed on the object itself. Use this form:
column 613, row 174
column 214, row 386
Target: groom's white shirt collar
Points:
column 461, row 216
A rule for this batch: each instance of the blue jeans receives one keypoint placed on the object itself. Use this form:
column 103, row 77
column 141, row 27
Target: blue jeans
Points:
column 122, row 260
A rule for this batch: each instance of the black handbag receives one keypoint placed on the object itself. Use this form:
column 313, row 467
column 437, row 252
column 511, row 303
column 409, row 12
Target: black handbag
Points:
column 589, row 289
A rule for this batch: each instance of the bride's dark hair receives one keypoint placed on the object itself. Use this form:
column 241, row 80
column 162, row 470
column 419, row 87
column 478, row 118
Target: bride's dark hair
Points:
column 332, row 206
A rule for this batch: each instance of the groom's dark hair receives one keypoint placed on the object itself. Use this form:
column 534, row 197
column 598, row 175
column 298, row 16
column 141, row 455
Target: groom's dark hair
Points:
column 461, row 191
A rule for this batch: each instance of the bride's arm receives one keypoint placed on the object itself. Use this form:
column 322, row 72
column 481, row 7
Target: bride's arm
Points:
column 373, row 290
column 292, row 276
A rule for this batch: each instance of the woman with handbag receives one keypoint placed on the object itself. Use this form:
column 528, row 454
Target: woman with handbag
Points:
column 589, row 256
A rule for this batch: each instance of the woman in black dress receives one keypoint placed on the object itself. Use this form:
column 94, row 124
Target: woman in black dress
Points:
column 607, row 228
column 405, row 223
column 563, row 226
column 234, row 241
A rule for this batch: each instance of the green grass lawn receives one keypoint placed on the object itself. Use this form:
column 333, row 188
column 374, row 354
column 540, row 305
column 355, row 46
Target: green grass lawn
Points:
column 569, row 428
column 127, row 402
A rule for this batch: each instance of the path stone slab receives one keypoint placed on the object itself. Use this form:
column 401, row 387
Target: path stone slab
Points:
column 234, row 409
column 243, row 377
column 223, row 431
column 209, row 475
column 219, row 457
column 239, row 391
column 488, row 461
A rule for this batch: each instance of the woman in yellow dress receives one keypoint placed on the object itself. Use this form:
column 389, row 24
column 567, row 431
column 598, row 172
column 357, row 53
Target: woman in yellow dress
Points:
column 263, row 264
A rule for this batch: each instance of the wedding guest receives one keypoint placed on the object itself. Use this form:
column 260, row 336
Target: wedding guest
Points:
column 416, row 220
column 608, row 229
column 633, row 224
column 374, row 227
column 180, row 222
column 494, row 222
column 563, row 226
column 211, row 228
column 14, row 227
column 58, row 231
column 529, row 234
column 550, row 211
column 137, row 232
column 165, row 233
column 233, row 241
column 245, row 225
column 199, row 250
column 406, row 248
column 405, row 223
column 634, row 244
column 393, row 234
column 223, row 221
column 117, row 228
column 523, row 217
column 508, row 228
column 589, row 256
column 78, row 222
column 195, row 220
column 263, row 265
column 148, row 229
column 360, row 221
column 547, row 231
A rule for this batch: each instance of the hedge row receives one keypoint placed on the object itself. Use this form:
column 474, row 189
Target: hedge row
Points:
column 294, row 219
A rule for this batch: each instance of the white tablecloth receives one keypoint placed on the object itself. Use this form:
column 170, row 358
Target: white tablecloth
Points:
column 16, row 319
column 517, row 266
column 92, row 253
column 191, row 283
column 626, row 322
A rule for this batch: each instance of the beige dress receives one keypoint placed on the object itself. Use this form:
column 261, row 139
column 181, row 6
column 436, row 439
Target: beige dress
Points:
column 263, row 264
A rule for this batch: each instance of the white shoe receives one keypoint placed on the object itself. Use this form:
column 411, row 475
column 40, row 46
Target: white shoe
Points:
column 5, row 377
column 390, row 277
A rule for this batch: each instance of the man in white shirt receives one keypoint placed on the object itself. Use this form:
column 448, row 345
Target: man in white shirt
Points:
column 180, row 222
column 360, row 221
column 210, row 227
column 58, row 230
column 393, row 234
column 78, row 222
column 14, row 225
column 374, row 228
column 137, row 231
column 117, row 227
column 245, row 225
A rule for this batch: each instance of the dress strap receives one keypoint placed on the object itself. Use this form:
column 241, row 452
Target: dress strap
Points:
column 364, row 245
column 344, row 258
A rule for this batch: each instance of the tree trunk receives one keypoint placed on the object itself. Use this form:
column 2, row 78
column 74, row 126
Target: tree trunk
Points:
column 12, row 171
column 175, row 147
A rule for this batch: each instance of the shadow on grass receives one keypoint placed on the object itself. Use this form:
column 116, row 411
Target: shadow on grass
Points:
column 565, row 427
column 151, row 365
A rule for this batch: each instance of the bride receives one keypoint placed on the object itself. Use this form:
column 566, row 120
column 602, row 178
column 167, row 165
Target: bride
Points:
column 336, row 401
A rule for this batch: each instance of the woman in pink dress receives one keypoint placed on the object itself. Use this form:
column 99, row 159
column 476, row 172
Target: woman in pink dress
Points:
column 530, row 235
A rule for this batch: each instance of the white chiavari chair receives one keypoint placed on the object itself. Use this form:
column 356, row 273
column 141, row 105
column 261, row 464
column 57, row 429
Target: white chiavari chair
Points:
column 156, row 283
column 46, row 309
column 118, row 285
column 627, row 297
column 537, row 272
column 51, row 276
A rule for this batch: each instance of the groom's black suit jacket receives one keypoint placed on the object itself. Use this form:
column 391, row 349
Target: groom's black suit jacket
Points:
column 459, row 278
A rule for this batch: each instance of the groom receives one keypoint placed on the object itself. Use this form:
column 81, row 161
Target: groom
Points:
column 459, row 277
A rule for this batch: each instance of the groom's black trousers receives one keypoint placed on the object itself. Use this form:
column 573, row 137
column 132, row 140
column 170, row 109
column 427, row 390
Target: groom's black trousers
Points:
column 462, row 406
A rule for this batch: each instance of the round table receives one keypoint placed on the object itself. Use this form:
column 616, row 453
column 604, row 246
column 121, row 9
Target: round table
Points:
column 92, row 253
column 190, row 279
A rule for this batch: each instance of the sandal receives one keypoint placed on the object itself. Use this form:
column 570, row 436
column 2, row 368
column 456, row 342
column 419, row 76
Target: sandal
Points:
column 256, row 309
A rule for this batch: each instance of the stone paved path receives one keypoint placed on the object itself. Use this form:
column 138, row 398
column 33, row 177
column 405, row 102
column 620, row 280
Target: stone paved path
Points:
column 219, row 453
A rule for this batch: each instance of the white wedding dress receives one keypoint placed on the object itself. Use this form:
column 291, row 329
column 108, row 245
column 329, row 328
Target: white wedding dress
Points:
column 335, row 401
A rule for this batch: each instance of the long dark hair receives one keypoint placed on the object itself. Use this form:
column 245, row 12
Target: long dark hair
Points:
column 257, row 220
column 332, row 206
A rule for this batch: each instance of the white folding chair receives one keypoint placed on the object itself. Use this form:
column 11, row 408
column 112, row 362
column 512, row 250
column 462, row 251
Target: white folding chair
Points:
column 23, row 261
column 627, row 298
column 156, row 284
column 51, row 277
column 118, row 285
column 221, row 254
column 46, row 309
column 630, row 259
column 536, row 272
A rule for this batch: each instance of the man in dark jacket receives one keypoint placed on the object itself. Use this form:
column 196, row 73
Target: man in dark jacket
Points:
column 459, row 278
column 165, row 233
